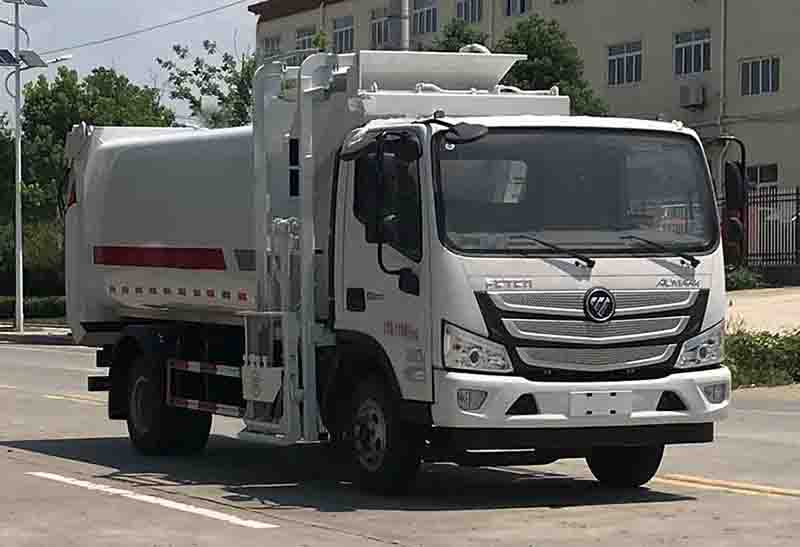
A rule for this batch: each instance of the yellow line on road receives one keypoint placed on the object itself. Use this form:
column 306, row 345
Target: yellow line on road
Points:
column 728, row 486
column 75, row 399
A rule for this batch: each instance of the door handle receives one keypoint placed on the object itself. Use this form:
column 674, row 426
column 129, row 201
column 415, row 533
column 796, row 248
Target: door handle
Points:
column 356, row 299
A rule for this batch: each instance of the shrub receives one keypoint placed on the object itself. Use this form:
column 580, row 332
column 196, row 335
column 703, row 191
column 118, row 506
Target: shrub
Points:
column 35, row 308
column 743, row 278
column 763, row 358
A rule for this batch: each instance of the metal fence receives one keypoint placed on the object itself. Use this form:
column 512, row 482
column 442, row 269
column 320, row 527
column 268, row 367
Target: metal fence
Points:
column 772, row 225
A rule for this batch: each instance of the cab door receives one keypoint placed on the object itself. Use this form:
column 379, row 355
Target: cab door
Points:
column 383, row 290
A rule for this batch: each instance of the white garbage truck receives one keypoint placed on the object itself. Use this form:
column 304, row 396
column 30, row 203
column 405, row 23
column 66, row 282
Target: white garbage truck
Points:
column 408, row 260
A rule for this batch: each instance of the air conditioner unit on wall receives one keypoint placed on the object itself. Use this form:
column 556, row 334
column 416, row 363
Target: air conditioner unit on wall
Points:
column 693, row 95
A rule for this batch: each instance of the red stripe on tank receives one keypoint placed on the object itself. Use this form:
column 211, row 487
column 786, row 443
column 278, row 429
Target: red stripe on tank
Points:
column 160, row 257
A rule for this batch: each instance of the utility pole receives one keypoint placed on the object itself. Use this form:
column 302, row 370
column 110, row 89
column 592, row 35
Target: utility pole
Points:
column 19, row 313
column 405, row 25
column 16, row 60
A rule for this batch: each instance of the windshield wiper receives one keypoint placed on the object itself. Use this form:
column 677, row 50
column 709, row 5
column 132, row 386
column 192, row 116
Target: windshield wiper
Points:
column 583, row 258
column 686, row 256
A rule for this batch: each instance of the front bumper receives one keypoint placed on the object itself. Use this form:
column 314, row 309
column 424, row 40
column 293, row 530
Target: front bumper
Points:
column 553, row 401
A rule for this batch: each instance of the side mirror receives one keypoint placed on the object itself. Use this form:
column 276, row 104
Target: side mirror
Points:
column 735, row 188
column 408, row 281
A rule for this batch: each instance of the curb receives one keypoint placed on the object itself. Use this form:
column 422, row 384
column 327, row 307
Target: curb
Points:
column 37, row 339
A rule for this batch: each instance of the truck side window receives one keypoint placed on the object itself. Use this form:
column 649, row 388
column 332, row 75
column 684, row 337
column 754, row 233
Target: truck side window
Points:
column 401, row 197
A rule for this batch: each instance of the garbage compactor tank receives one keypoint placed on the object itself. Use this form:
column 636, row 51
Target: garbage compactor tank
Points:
column 162, row 228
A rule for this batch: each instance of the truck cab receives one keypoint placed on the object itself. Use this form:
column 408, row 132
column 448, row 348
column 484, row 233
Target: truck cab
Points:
column 552, row 305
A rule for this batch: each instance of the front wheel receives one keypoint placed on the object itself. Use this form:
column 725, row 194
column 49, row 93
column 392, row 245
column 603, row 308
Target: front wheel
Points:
column 386, row 451
column 625, row 466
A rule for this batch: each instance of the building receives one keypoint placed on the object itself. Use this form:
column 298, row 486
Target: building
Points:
column 721, row 66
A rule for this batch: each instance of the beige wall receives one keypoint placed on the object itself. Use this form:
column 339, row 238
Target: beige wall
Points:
column 769, row 124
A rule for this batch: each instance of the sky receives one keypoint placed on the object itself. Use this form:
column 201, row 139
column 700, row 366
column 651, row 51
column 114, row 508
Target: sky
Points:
column 68, row 22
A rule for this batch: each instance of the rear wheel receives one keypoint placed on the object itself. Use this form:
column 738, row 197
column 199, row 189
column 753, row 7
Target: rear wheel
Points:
column 155, row 428
column 625, row 466
column 386, row 451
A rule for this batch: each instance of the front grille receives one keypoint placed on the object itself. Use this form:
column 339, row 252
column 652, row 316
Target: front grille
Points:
column 570, row 303
column 596, row 359
column 586, row 332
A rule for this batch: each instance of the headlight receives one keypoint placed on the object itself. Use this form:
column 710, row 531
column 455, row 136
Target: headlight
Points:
column 466, row 351
column 705, row 349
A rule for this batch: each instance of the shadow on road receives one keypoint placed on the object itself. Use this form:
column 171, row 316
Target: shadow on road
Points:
column 265, row 477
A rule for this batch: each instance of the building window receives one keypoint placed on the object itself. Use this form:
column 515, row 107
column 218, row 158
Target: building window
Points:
column 470, row 11
column 425, row 17
column 272, row 45
column 765, row 177
column 625, row 63
column 305, row 38
column 343, row 34
column 560, row 2
column 693, row 52
column 517, row 7
column 761, row 76
column 379, row 29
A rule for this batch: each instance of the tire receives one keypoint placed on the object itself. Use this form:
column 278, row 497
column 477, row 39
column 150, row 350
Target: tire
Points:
column 386, row 452
column 155, row 428
column 625, row 467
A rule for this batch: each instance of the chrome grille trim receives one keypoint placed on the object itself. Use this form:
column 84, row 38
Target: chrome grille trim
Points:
column 570, row 303
column 587, row 332
column 596, row 360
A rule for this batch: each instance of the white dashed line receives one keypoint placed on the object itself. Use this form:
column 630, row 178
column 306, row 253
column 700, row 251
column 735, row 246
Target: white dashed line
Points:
column 208, row 513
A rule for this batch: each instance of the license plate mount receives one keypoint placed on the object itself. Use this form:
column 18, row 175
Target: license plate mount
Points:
column 590, row 404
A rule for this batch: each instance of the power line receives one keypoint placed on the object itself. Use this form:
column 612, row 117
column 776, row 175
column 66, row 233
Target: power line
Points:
column 146, row 29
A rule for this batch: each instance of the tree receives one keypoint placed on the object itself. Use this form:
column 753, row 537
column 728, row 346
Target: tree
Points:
column 230, row 83
column 457, row 34
column 7, row 162
column 104, row 97
column 553, row 60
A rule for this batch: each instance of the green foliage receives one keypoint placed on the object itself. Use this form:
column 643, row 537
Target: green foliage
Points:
column 457, row 34
column 553, row 60
column 43, row 258
column 763, row 358
column 743, row 278
column 320, row 40
column 104, row 97
column 7, row 161
column 35, row 308
column 230, row 83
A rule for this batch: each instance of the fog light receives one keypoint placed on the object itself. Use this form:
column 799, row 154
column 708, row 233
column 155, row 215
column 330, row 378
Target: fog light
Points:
column 716, row 393
column 470, row 399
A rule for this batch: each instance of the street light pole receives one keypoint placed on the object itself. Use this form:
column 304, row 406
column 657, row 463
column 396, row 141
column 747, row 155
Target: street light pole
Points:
column 19, row 315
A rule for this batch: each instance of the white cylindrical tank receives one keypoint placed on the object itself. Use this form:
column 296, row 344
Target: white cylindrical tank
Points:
column 161, row 227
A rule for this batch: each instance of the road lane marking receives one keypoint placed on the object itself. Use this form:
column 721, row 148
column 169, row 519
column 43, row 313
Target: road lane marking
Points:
column 766, row 412
column 3, row 386
column 208, row 513
column 728, row 486
column 75, row 399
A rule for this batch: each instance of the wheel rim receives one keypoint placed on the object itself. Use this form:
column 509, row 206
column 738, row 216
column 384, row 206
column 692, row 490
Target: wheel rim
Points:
column 142, row 407
column 370, row 435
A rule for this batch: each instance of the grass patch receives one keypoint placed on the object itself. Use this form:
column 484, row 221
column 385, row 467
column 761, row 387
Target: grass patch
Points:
column 46, row 307
column 762, row 358
column 743, row 278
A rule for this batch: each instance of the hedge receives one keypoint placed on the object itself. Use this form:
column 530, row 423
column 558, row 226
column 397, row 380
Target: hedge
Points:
column 35, row 308
column 763, row 358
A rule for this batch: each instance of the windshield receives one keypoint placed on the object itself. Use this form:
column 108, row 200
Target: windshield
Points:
column 581, row 189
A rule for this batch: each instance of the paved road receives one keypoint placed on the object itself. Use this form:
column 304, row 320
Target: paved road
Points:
column 765, row 309
column 69, row 477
